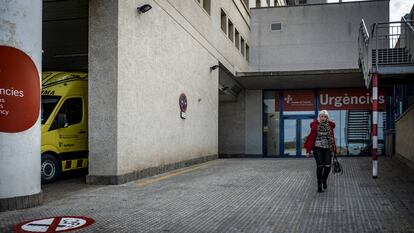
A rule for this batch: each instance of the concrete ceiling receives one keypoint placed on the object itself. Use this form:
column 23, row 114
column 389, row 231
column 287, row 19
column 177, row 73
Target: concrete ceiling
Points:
column 65, row 35
column 301, row 79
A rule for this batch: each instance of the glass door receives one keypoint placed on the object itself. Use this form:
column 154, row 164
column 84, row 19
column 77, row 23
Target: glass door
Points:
column 290, row 137
column 304, row 130
column 295, row 132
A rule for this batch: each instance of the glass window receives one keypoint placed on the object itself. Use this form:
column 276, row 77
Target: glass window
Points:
column 247, row 52
column 73, row 110
column 242, row 46
column 223, row 21
column 271, row 123
column 231, row 31
column 237, row 39
column 276, row 26
column 48, row 105
column 207, row 5
column 353, row 131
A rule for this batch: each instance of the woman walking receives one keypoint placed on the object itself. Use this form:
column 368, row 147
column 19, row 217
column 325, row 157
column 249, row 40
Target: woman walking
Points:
column 321, row 141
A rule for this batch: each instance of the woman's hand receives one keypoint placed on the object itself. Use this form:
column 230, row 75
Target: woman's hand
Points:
column 308, row 154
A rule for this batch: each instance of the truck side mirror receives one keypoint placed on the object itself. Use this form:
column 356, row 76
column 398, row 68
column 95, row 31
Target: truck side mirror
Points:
column 62, row 121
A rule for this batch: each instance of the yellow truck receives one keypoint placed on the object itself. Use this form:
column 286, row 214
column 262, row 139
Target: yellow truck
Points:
column 64, row 119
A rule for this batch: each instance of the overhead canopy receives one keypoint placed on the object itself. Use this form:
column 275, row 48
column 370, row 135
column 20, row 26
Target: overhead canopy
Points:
column 301, row 79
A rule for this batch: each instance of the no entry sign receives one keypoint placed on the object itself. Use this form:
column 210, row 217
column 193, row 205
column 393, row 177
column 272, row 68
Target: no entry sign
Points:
column 54, row 224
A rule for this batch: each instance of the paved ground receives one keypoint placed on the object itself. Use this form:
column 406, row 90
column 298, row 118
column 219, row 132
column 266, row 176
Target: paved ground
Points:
column 240, row 195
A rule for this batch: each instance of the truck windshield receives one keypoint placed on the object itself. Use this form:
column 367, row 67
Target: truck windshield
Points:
column 48, row 104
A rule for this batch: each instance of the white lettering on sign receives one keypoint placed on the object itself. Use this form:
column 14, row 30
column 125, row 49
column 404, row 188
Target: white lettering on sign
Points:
column 11, row 92
column 8, row 92
column 290, row 100
column 3, row 112
column 339, row 101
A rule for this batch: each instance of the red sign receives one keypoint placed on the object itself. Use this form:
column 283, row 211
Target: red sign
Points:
column 299, row 100
column 19, row 91
column 183, row 102
column 349, row 99
column 54, row 224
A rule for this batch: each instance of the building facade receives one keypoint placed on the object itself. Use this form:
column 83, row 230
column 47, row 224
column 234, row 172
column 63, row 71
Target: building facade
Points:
column 138, row 71
column 184, row 82
column 304, row 58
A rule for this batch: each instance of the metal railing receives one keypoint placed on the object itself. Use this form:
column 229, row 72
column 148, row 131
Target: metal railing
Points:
column 390, row 43
column 365, row 61
column 409, row 37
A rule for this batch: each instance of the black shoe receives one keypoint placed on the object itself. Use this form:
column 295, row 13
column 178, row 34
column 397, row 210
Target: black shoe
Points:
column 319, row 187
column 324, row 185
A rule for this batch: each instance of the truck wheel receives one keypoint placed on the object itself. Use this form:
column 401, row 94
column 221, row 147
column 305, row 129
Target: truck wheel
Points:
column 50, row 168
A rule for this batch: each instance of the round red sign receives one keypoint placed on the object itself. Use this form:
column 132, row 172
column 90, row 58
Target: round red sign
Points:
column 183, row 102
column 19, row 91
column 54, row 224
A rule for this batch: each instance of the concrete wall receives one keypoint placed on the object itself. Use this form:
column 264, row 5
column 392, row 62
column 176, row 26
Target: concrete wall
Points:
column 254, row 122
column 141, row 63
column 232, row 126
column 267, row 3
column 205, row 28
column 21, row 28
column 240, row 124
column 404, row 135
column 313, row 37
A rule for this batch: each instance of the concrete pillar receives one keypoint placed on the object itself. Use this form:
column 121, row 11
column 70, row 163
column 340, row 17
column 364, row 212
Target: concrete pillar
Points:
column 20, row 33
column 103, row 92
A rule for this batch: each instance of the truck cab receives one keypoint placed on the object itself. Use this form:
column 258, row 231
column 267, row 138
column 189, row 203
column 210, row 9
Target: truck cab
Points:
column 64, row 120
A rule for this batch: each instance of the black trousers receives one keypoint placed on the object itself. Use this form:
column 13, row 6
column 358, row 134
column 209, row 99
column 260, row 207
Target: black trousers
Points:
column 323, row 160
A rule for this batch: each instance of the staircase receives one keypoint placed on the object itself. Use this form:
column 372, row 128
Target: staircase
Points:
column 357, row 127
column 391, row 56
column 387, row 49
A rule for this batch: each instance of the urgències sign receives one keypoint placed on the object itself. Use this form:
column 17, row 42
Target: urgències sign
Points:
column 19, row 91
column 349, row 99
column 331, row 99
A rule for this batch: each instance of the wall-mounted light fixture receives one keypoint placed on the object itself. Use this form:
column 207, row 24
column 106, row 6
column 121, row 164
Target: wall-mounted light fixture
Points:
column 222, row 88
column 144, row 8
column 214, row 67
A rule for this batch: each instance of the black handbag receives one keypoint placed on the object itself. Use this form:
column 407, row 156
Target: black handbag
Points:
column 337, row 167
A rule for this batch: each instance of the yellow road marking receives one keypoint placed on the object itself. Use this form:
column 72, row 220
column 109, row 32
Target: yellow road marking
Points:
column 171, row 174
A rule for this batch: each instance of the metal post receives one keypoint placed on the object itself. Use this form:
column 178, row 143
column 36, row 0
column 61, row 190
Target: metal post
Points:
column 374, row 125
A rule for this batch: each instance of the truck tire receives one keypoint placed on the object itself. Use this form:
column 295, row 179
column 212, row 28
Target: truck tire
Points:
column 50, row 168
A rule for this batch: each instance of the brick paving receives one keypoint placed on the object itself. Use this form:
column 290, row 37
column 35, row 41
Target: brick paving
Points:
column 240, row 195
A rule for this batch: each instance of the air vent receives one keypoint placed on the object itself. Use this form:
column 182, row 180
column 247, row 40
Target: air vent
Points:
column 276, row 26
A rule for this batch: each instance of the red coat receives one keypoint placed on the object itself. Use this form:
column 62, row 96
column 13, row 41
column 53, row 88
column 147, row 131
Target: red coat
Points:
column 310, row 141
